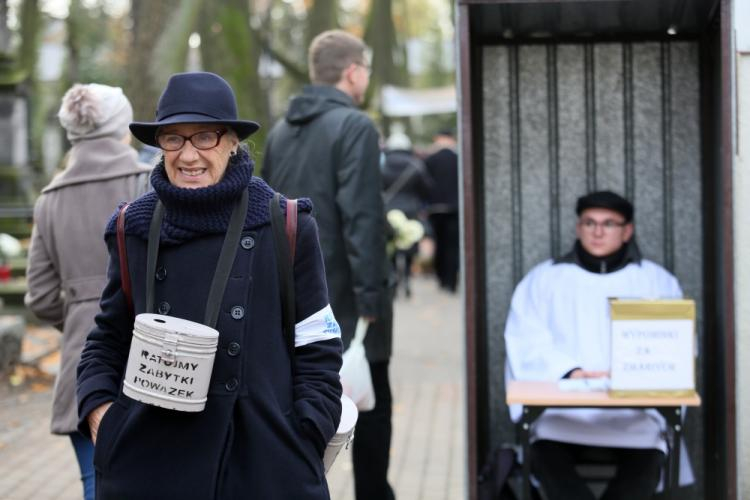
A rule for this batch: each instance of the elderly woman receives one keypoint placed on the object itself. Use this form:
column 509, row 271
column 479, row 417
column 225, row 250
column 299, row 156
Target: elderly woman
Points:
column 67, row 257
column 268, row 415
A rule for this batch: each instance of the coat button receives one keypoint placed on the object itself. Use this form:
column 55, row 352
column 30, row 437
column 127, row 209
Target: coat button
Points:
column 161, row 273
column 233, row 349
column 247, row 242
column 164, row 308
column 232, row 384
column 238, row 312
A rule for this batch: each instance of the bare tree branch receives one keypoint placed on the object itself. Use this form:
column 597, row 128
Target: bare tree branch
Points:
column 292, row 68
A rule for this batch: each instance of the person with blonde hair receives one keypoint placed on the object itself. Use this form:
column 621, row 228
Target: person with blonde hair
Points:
column 327, row 149
column 67, row 258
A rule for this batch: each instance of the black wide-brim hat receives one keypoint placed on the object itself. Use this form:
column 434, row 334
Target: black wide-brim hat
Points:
column 195, row 97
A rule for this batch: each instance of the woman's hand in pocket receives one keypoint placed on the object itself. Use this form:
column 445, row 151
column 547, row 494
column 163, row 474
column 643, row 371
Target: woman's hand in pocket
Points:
column 95, row 418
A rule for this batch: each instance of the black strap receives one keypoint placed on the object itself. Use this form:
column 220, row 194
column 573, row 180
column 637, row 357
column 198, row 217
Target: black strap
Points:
column 154, row 234
column 286, row 271
column 397, row 185
column 223, row 266
column 226, row 259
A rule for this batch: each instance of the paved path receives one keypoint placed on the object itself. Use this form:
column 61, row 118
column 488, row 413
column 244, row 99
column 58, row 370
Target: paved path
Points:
column 427, row 453
column 33, row 463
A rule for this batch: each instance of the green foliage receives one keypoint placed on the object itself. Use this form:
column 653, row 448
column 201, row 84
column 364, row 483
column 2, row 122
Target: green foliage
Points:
column 229, row 49
column 140, row 49
column 10, row 72
column 437, row 123
column 15, row 194
column 30, row 32
column 27, row 58
column 96, row 43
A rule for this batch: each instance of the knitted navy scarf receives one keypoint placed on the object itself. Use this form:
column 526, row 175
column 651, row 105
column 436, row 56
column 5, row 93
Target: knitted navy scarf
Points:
column 191, row 213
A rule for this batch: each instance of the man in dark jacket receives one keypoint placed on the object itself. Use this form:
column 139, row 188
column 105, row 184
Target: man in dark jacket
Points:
column 442, row 165
column 326, row 149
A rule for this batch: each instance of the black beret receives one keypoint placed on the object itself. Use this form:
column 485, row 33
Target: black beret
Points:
column 606, row 199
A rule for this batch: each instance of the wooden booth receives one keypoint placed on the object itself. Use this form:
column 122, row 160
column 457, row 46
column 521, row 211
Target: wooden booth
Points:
column 558, row 98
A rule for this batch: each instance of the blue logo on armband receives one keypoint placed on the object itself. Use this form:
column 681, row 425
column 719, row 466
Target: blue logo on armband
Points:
column 331, row 325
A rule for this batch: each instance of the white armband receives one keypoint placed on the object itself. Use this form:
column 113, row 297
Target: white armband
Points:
column 318, row 327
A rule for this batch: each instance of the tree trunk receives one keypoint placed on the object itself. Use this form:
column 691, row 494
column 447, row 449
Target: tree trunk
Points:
column 30, row 28
column 322, row 16
column 380, row 35
column 229, row 49
column 27, row 58
column 72, row 22
column 4, row 30
column 148, row 19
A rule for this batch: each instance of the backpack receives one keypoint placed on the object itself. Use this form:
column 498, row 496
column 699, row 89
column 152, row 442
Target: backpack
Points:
column 493, row 477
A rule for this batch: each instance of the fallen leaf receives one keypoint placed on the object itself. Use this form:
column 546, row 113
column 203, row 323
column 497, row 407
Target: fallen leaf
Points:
column 15, row 379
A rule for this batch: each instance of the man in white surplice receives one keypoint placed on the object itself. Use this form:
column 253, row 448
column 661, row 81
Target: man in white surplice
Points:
column 558, row 327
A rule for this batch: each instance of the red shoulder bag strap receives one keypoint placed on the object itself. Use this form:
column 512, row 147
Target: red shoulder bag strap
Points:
column 291, row 226
column 122, row 251
column 284, row 237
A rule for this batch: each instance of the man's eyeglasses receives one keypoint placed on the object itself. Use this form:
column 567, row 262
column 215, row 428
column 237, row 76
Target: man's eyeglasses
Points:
column 366, row 67
column 607, row 225
column 199, row 140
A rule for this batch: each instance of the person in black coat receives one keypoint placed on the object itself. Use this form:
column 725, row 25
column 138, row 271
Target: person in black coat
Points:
column 406, row 183
column 442, row 165
column 328, row 149
column 269, row 415
column 406, row 187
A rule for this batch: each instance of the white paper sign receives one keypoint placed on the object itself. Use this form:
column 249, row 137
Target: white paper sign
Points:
column 653, row 355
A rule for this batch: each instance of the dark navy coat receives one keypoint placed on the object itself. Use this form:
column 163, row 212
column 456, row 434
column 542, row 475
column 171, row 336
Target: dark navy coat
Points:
column 266, row 422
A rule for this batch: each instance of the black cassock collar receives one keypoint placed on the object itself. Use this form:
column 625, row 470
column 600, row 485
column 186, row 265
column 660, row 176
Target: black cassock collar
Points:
column 628, row 253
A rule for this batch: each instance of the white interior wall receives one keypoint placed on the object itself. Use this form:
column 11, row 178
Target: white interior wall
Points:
column 742, row 244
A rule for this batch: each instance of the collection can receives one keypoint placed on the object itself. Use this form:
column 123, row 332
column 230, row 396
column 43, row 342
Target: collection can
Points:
column 170, row 362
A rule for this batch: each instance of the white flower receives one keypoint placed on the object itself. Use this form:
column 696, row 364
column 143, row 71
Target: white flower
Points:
column 407, row 231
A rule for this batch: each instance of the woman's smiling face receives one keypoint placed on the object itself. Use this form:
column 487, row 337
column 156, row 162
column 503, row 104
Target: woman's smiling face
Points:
column 190, row 167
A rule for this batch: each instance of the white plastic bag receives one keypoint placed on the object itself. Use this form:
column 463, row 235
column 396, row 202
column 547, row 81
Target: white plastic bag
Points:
column 355, row 371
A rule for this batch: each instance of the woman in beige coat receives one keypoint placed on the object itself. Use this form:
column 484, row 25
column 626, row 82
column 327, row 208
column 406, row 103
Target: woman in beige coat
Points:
column 68, row 257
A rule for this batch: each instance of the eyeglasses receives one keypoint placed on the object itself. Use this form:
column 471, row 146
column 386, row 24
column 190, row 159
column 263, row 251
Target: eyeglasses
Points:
column 199, row 140
column 607, row 225
column 366, row 67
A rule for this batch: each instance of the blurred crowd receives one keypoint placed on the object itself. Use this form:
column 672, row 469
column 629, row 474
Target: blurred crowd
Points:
column 420, row 194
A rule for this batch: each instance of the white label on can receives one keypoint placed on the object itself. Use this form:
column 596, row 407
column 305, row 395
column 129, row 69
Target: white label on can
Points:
column 174, row 377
